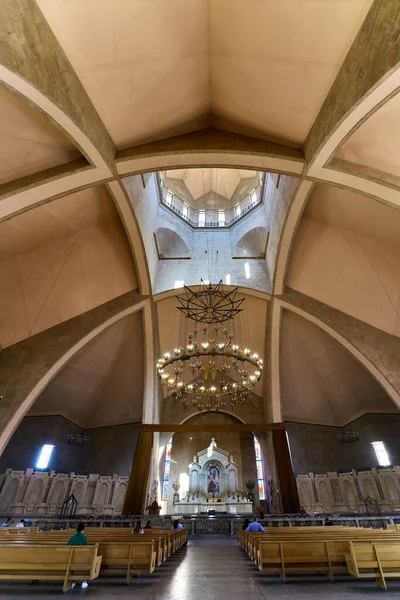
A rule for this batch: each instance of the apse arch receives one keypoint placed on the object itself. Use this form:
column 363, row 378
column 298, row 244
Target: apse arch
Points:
column 170, row 244
column 200, row 413
column 373, row 369
column 252, row 243
column 64, row 358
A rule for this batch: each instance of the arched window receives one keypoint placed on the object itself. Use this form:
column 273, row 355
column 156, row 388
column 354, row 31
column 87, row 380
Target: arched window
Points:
column 260, row 470
column 167, row 470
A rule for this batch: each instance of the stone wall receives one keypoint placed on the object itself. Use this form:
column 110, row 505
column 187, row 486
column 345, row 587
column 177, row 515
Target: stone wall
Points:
column 110, row 449
column 211, row 259
column 346, row 492
column 279, row 193
column 315, row 448
column 145, row 204
column 30, row 493
column 210, row 251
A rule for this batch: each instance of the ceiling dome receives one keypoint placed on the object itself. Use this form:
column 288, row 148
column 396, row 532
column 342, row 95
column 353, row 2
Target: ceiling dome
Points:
column 197, row 184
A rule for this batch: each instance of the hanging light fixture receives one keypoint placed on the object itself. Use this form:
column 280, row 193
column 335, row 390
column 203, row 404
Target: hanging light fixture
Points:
column 210, row 369
column 210, row 304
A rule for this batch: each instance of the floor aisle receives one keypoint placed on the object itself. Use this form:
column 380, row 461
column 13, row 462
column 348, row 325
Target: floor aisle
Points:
column 210, row 568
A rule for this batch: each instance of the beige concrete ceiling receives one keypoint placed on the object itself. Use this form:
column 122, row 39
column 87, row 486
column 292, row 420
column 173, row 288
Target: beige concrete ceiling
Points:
column 195, row 184
column 322, row 382
column 29, row 142
column 103, row 384
column 346, row 254
column 375, row 144
column 155, row 69
column 351, row 211
column 59, row 260
column 58, row 219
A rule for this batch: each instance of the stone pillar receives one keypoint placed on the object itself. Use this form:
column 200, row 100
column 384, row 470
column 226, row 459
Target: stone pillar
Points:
column 135, row 498
column 287, row 481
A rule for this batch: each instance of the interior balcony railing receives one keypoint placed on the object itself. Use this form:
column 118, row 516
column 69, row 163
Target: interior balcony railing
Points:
column 247, row 203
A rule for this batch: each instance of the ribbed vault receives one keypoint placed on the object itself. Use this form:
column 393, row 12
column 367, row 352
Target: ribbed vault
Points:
column 67, row 98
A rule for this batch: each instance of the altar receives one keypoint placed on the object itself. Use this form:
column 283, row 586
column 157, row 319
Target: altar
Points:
column 213, row 485
column 232, row 508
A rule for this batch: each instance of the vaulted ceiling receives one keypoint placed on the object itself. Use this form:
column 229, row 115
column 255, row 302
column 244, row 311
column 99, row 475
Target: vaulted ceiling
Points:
column 194, row 185
column 155, row 69
column 212, row 93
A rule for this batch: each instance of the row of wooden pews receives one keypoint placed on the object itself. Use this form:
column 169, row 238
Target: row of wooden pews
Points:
column 42, row 555
column 361, row 552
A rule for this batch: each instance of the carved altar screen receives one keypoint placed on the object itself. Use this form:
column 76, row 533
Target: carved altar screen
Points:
column 167, row 470
column 260, row 470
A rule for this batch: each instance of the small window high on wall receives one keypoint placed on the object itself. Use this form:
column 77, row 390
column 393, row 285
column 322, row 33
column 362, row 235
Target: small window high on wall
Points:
column 168, row 198
column 167, row 470
column 44, row 456
column 381, row 454
column 202, row 218
column 260, row 469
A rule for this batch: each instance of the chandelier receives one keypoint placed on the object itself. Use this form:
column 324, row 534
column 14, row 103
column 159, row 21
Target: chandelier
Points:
column 77, row 439
column 210, row 369
column 348, row 437
column 210, row 304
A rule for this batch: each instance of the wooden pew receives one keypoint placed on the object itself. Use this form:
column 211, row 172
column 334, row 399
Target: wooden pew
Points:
column 303, row 555
column 283, row 550
column 379, row 560
column 123, row 552
column 49, row 562
column 251, row 541
column 62, row 539
column 128, row 558
column 254, row 545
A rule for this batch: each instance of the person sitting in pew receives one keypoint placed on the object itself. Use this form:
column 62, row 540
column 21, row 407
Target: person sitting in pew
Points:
column 79, row 539
column 148, row 525
column 138, row 527
column 245, row 525
column 6, row 522
column 176, row 524
column 255, row 526
column 21, row 524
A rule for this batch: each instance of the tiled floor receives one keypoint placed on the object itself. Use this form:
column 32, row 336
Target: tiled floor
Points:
column 210, row 568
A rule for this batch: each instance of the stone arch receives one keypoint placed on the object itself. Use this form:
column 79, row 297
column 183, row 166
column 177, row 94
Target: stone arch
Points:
column 170, row 244
column 101, row 495
column 349, row 494
column 78, row 491
column 35, row 491
column 62, row 348
column 323, row 494
column 119, row 496
column 10, row 493
column 252, row 243
column 56, row 494
column 305, row 495
column 391, row 488
column 366, row 361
